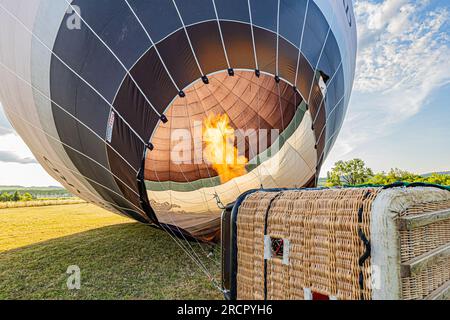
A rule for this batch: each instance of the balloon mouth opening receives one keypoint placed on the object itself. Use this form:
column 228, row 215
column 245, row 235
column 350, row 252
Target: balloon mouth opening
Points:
column 220, row 130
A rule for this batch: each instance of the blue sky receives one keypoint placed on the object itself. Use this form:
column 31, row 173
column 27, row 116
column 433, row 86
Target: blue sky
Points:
column 399, row 114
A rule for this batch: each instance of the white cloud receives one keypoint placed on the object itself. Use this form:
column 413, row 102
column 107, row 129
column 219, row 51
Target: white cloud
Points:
column 17, row 163
column 11, row 157
column 14, row 150
column 4, row 130
column 409, row 50
column 25, row 175
column 403, row 57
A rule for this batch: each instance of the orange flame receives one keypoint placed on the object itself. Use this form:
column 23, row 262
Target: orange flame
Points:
column 218, row 136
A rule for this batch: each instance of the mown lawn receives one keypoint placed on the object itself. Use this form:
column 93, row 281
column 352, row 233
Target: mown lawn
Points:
column 118, row 259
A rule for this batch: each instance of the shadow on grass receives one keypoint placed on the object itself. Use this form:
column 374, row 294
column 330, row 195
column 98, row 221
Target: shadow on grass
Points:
column 126, row 261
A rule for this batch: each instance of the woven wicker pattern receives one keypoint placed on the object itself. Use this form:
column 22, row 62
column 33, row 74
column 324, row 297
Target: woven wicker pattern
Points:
column 322, row 227
column 422, row 240
column 250, row 278
column 421, row 285
column 325, row 247
column 419, row 208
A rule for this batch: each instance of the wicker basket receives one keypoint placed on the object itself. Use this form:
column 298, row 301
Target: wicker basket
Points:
column 355, row 243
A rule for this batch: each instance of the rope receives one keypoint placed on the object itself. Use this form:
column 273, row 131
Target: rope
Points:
column 68, row 146
column 53, row 162
column 116, row 57
column 72, row 70
column 199, row 263
column 189, row 40
column 300, row 45
column 266, row 220
column 153, row 44
column 73, row 171
column 221, row 37
column 278, row 40
column 219, row 203
column 95, row 90
column 366, row 243
column 253, row 38
column 173, row 222
column 328, row 117
column 133, row 78
column 65, row 111
column 323, row 97
column 317, row 63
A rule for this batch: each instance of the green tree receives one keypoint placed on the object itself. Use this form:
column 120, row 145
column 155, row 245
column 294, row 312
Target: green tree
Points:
column 16, row 196
column 352, row 172
column 398, row 175
column 378, row 179
column 26, row 197
column 5, row 196
column 394, row 175
column 436, row 178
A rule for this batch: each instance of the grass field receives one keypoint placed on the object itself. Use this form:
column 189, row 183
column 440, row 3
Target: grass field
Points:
column 118, row 259
column 39, row 203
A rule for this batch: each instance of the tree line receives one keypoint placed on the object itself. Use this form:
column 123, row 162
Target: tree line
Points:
column 16, row 197
column 355, row 172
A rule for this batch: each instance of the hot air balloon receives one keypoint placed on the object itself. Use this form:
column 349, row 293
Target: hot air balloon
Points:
column 137, row 105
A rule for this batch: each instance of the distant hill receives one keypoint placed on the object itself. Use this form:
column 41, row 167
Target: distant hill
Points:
column 38, row 192
column 425, row 175
column 34, row 187
column 323, row 180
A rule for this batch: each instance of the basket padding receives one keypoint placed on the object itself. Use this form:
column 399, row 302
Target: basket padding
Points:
column 392, row 247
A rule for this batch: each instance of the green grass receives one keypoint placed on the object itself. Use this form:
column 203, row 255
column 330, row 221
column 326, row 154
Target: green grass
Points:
column 118, row 259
